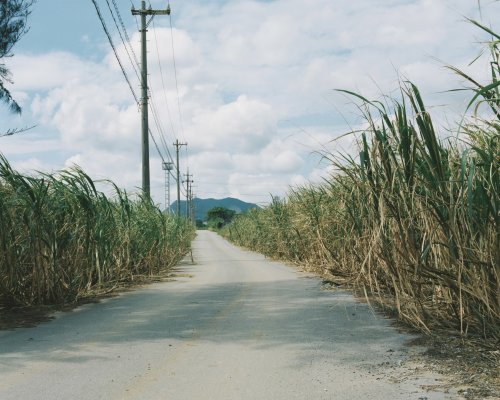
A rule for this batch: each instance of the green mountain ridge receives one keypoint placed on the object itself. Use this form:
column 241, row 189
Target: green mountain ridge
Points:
column 201, row 206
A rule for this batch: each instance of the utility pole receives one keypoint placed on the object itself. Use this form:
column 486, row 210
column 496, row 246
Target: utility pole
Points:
column 143, row 12
column 188, row 182
column 177, row 146
column 191, row 204
column 193, row 218
column 167, row 167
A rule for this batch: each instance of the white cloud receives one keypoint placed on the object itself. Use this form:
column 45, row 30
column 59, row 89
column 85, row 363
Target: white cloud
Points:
column 244, row 125
column 286, row 161
column 244, row 69
column 47, row 71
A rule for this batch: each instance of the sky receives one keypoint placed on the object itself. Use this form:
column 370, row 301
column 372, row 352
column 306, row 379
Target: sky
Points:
column 250, row 85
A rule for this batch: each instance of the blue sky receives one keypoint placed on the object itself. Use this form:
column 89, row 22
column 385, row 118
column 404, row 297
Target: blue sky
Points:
column 61, row 25
column 256, row 84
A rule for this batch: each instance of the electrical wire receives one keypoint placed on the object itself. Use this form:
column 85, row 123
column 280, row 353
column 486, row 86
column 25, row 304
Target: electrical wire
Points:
column 136, row 21
column 156, row 145
column 163, row 82
column 114, row 49
column 154, row 108
column 125, row 32
column 122, row 68
column 181, row 122
column 154, row 111
column 175, row 75
column 135, row 65
column 123, row 40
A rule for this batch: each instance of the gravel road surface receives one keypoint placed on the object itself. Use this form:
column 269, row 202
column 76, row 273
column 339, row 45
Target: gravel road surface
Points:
column 233, row 325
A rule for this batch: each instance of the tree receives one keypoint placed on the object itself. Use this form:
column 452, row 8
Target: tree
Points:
column 13, row 18
column 217, row 217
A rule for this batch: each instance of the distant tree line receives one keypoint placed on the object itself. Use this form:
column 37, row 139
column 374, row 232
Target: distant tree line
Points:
column 218, row 217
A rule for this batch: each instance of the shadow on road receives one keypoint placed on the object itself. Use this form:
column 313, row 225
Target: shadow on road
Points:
column 258, row 314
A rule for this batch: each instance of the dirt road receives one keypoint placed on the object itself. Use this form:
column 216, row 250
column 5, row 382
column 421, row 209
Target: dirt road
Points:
column 232, row 326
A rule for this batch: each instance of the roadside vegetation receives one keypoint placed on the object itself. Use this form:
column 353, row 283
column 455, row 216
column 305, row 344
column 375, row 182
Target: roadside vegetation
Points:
column 62, row 239
column 413, row 221
column 218, row 217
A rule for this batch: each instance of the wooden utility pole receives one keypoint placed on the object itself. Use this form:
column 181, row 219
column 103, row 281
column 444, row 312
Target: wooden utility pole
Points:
column 177, row 146
column 143, row 12
column 192, row 209
column 189, row 189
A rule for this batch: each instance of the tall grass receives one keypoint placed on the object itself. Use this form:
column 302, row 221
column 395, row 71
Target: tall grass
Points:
column 61, row 238
column 414, row 220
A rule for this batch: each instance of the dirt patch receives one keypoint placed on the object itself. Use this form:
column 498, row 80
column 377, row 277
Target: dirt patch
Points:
column 472, row 367
column 469, row 366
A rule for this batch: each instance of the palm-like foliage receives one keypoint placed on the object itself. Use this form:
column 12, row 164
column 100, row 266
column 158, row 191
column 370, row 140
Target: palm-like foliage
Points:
column 13, row 18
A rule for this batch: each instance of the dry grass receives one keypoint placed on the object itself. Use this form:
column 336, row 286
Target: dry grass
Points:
column 414, row 221
column 61, row 238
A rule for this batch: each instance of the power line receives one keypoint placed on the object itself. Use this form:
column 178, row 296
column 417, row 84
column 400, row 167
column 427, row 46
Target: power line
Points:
column 143, row 12
column 163, row 82
column 125, row 32
column 155, row 112
column 135, row 65
column 114, row 49
column 154, row 109
column 177, row 145
column 157, row 120
column 181, row 122
column 136, row 21
column 153, row 106
column 160, row 154
column 156, row 145
column 175, row 75
column 123, row 40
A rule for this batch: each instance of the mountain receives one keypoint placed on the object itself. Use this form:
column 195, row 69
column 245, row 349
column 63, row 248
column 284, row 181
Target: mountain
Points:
column 201, row 206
